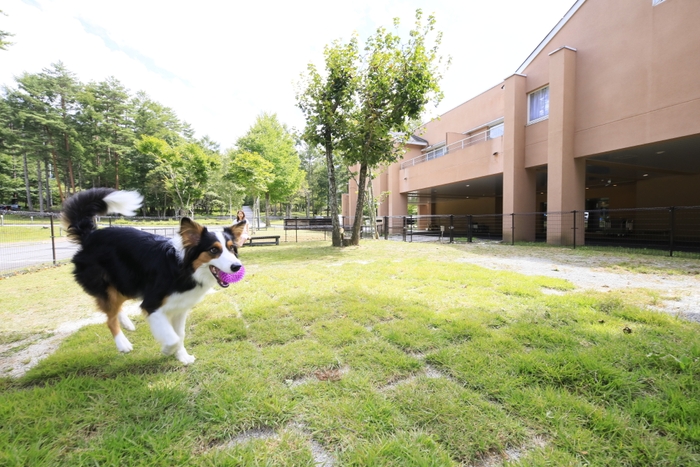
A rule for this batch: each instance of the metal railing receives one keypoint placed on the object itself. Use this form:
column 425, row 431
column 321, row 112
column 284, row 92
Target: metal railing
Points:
column 672, row 229
column 444, row 150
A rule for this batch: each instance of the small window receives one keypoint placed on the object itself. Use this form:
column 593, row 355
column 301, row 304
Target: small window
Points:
column 496, row 131
column 656, row 2
column 538, row 105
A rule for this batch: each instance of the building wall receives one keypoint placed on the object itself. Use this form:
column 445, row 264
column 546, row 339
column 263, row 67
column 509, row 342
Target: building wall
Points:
column 471, row 162
column 484, row 108
column 629, row 76
column 655, row 193
column 636, row 81
column 467, row 206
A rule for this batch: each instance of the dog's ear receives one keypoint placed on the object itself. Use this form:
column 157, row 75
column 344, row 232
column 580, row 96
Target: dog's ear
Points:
column 236, row 231
column 191, row 232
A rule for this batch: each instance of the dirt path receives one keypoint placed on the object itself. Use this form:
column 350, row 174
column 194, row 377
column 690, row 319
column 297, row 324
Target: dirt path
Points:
column 18, row 357
column 681, row 291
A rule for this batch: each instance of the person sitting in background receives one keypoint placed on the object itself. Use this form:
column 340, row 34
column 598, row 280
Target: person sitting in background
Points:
column 240, row 216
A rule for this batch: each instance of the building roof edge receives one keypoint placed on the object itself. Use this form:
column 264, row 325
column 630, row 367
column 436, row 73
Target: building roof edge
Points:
column 549, row 36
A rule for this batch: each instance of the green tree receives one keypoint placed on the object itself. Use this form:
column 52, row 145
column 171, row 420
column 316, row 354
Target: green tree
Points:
column 48, row 105
column 151, row 118
column 22, row 137
column 252, row 172
column 184, row 169
column 108, row 134
column 396, row 82
column 4, row 35
column 325, row 101
column 154, row 119
column 228, row 193
column 271, row 140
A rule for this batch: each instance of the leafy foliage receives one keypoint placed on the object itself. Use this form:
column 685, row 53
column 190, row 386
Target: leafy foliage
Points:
column 271, row 140
column 184, row 169
column 363, row 108
column 59, row 136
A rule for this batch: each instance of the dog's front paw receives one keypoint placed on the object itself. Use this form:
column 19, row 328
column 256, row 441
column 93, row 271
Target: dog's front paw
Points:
column 123, row 344
column 184, row 357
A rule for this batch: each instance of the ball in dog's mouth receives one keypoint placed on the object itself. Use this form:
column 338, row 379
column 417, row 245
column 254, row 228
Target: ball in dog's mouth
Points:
column 226, row 278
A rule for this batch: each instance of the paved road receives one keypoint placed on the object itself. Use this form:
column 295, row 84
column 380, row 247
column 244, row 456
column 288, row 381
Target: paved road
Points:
column 15, row 256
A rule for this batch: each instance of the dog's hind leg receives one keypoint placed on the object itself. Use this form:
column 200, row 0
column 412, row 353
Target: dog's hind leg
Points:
column 111, row 305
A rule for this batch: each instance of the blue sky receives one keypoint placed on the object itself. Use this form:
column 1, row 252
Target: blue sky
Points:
column 219, row 64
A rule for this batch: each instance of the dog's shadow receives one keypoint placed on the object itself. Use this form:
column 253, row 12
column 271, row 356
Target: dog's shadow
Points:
column 90, row 352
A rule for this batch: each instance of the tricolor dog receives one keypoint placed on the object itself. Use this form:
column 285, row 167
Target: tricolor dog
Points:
column 115, row 264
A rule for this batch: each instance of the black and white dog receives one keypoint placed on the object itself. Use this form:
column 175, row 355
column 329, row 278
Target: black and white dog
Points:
column 115, row 264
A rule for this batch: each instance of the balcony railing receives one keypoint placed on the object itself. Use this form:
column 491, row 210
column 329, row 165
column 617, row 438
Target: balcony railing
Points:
column 441, row 151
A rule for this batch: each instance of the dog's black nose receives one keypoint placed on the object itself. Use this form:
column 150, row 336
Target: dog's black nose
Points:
column 235, row 267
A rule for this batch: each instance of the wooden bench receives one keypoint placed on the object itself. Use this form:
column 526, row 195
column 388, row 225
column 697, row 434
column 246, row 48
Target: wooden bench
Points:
column 264, row 240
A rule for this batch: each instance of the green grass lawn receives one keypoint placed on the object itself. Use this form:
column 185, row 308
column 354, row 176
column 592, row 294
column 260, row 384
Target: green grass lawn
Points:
column 385, row 354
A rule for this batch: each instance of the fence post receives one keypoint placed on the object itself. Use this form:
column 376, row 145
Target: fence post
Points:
column 53, row 241
column 403, row 229
column 672, row 220
column 386, row 227
column 411, row 225
column 452, row 228
column 469, row 229
column 296, row 229
column 512, row 228
column 574, row 211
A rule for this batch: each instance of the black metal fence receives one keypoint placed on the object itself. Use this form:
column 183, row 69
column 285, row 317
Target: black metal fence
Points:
column 30, row 240
column 671, row 229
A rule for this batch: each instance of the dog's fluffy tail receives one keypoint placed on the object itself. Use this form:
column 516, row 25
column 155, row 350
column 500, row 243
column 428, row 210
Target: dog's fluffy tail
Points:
column 80, row 209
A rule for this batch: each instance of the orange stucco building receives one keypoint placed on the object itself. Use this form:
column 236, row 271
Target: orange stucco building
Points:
column 605, row 112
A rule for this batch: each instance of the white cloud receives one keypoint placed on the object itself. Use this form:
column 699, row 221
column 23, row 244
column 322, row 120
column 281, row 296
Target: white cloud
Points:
column 219, row 64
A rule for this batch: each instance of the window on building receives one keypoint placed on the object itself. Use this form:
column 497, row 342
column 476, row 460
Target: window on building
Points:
column 538, row 105
column 496, row 131
column 656, row 2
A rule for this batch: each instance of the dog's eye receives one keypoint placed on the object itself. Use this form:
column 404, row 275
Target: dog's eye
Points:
column 214, row 250
column 230, row 247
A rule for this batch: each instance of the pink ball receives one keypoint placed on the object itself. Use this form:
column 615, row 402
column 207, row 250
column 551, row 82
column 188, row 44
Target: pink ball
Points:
column 231, row 277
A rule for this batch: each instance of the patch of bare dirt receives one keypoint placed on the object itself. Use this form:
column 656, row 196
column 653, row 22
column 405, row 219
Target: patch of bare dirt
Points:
column 680, row 290
column 18, row 357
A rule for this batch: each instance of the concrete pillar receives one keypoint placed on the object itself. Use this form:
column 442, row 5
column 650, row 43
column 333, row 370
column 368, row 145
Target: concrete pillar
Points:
column 519, row 187
column 566, row 176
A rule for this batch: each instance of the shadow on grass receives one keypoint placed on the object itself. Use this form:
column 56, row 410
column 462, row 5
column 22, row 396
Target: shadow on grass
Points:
column 90, row 352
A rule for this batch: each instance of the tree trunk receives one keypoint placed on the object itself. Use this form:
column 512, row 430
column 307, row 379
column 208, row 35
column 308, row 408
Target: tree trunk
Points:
column 267, row 209
column 337, row 236
column 30, row 206
column 41, row 186
column 55, row 165
column 116, row 170
column 359, row 208
column 255, row 223
column 372, row 207
column 71, row 177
